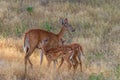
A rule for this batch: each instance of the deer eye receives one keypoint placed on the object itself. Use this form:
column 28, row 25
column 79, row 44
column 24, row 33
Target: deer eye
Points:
column 46, row 40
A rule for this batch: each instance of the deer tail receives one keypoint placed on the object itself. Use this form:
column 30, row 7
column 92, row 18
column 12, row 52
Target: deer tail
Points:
column 26, row 46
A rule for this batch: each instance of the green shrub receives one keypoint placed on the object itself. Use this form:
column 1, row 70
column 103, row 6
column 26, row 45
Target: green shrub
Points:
column 117, row 71
column 46, row 26
column 19, row 30
column 4, row 34
column 29, row 9
column 96, row 77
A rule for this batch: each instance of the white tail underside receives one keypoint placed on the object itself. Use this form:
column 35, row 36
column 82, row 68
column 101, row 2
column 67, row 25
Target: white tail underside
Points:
column 26, row 45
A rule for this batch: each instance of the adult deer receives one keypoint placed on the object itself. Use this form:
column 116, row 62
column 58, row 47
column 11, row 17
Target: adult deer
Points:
column 33, row 37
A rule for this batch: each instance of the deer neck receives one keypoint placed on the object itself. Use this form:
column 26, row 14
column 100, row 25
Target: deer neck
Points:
column 61, row 33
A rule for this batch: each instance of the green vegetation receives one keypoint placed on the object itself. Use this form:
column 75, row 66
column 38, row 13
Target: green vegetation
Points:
column 30, row 9
column 96, row 77
column 117, row 71
column 47, row 26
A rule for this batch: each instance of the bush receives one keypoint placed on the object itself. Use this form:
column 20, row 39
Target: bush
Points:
column 96, row 77
column 117, row 72
column 30, row 9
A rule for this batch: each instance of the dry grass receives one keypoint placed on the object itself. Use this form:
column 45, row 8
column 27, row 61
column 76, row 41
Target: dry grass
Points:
column 97, row 30
column 12, row 64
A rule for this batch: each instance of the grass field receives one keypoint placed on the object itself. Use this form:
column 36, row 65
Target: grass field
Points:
column 97, row 24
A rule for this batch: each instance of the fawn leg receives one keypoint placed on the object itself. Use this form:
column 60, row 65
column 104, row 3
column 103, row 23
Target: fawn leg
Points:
column 62, row 60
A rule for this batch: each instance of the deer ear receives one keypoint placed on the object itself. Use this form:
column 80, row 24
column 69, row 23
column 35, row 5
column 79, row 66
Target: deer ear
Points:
column 66, row 20
column 61, row 21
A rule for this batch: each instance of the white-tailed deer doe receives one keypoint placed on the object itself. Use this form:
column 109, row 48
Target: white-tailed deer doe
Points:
column 33, row 37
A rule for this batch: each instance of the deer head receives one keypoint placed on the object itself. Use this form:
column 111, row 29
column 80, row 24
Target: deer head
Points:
column 66, row 25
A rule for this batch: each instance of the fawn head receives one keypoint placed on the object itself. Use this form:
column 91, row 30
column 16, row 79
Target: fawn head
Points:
column 65, row 24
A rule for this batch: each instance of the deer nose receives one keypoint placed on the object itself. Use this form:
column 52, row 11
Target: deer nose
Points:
column 73, row 30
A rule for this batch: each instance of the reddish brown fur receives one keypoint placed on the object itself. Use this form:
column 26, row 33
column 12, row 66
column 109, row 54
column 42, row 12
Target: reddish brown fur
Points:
column 76, row 54
column 65, row 52
column 62, row 51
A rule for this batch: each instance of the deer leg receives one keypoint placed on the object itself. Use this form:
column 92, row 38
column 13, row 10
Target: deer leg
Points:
column 78, row 58
column 69, row 65
column 41, row 54
column 27, row 58
column 25, row 65
column 54, row 63
column 71, row 57
column 30, row 63
column 76, row 65
column 62, row 60
column 49, row 62
column 41, row 57
column 48, row 65
column 81, row 65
